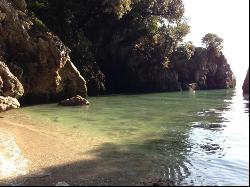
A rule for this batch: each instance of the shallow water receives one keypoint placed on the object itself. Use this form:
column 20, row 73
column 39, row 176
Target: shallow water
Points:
column 191, row 138
column 12, row 162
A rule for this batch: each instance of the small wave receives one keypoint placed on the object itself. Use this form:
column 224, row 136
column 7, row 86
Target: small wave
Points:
column 12, row 162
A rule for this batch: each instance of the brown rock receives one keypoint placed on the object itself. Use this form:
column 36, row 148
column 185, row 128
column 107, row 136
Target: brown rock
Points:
column 74, row 101
column 7, row 103
column 39, row 58
column 9, row 84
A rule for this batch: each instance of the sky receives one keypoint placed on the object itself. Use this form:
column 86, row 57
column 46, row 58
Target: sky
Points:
column 229, row 19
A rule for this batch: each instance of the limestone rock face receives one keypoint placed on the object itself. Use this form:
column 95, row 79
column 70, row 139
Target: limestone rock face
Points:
column 37, row 57
column 214, row 72
column 10, row 89
column 245, row 86
column 7, row 103
column 74, row 101
column 9, row 84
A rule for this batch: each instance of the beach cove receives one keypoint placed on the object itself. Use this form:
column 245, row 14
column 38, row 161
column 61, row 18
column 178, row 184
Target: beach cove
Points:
column 164, row 138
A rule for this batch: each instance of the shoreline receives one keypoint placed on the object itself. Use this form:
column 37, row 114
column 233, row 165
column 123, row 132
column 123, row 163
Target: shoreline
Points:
column 43, row 152
column 53, row 160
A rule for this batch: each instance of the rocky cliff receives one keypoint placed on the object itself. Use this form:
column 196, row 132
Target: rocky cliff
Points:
column 132, row 52
column 36, row 57
column 245, row 86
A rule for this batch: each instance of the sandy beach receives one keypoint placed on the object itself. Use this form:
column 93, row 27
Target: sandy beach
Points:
column 42, row 156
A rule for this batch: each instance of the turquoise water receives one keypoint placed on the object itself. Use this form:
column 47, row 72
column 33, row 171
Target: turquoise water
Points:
column 199, row 138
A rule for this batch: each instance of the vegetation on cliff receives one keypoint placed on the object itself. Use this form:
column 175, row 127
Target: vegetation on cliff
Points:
column 117, row 46
column 134, row 45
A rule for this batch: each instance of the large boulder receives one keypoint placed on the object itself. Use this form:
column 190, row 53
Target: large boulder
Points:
column 42, row 60
column 74, row 101
column 7, row 103
column 245, row 86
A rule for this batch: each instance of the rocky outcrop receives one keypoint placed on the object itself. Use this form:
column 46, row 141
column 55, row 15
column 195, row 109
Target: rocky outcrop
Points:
column 7, row 103
column 205, row 68
column 9, row 84
column 10, row 89
column 37, row 57
column 74, row 101
column 245, row 86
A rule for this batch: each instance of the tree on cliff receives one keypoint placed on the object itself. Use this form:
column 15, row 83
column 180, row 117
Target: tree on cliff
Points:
column 125, row 45
column 212, row 42
column 130, row 41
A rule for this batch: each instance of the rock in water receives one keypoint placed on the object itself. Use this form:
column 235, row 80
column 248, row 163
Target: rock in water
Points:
column 7, row 103
column 42, row 60
column 74, row 101
column 245, row 86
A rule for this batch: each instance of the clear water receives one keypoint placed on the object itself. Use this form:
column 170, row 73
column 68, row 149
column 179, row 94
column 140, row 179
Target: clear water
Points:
column 191, row 138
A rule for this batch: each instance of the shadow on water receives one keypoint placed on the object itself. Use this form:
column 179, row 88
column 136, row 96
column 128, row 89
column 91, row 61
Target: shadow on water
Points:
column 131, row 164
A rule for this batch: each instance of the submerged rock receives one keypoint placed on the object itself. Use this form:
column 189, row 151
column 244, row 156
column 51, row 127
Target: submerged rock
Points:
column 7, row 103
column 74, row 101
column 245, row 86
column 38, row 57
column 156, row 181
column 62, row 184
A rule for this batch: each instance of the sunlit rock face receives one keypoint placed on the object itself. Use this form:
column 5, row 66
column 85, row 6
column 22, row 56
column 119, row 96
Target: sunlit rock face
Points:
column 10, row 89
column 9, row 84
column 8, row 103
column 37, row 57
column 245, row 86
